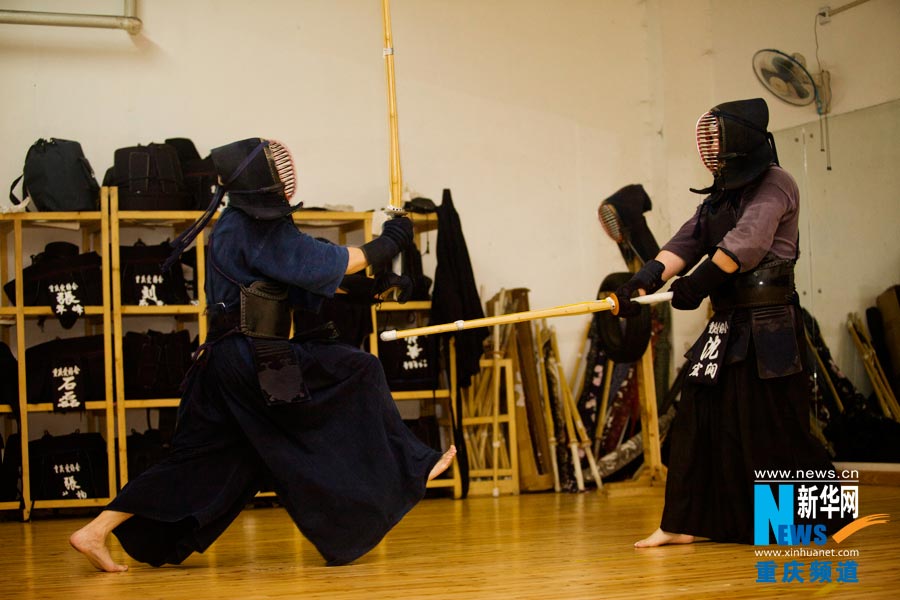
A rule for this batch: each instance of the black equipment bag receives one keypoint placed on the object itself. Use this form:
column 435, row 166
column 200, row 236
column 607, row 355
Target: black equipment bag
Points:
column 427, row 429
column 411, row 266
column 68, row 467
column 410, row 363
column 189, row 259
column 9, row 378
column 143, row 281
column 145, row 450
column 888, row 306
column 155, row 363
column 58, row 177
column 66, row 372
column 200, row 176
column 11, row 469
column 350, row 320
column 63, row 279
column 149, row 178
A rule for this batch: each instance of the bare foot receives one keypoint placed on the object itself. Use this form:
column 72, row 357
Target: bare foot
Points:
column 94, row 549
column 90, row 540
column 662, row 538
column 443, row 463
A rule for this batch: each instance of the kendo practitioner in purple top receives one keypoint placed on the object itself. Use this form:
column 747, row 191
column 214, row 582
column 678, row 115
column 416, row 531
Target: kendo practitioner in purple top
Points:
column 745, row 403
column 312, row 416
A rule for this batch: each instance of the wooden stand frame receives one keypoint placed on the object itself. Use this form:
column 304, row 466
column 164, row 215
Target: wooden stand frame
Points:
column 652, row 472
column 94, row 227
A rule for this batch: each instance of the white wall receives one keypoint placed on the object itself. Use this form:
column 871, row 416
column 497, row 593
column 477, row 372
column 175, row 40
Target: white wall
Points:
column 530, row 112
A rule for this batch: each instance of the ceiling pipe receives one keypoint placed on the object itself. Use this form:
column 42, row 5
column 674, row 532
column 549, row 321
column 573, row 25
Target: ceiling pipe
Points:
column 128, row 21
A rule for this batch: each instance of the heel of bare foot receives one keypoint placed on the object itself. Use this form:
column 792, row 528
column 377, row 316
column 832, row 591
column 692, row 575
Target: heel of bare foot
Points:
column 663, row 538
column 93, row 546
column 443, row 463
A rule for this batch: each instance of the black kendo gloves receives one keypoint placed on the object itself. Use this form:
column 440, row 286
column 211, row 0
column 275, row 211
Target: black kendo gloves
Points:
column 689, row 291
column 649, row 279
column 396, row 236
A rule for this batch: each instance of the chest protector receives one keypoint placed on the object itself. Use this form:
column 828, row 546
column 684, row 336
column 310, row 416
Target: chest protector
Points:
column 758, row 305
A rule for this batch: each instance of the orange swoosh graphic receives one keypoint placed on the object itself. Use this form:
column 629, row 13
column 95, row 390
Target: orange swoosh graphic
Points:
column 858, row 524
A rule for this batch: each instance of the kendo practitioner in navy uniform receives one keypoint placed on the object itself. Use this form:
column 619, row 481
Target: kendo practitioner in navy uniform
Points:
column 745, row 403
column 313, row 417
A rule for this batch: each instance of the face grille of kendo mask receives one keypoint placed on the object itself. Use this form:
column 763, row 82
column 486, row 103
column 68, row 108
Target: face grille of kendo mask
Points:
column 610, row 221
column 283, row 164
column 708, row 141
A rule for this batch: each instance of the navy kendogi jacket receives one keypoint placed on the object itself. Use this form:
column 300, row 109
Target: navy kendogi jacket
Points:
column 247, row 249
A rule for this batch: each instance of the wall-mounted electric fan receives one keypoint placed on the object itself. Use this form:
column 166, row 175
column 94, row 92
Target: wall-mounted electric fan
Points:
column 786, row 76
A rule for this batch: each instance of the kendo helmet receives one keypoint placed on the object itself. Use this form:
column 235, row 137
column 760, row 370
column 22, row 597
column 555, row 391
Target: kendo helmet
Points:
column 734, row 144
column 259, row 177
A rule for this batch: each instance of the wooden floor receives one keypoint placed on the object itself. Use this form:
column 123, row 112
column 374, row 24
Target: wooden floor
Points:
column 530, row 546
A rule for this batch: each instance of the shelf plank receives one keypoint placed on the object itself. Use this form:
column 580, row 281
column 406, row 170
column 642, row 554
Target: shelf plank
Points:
column 440, row 483
column 47, row 407
column 158, row 218
column 54, row 217
column 46, row 311
column 74, row 503
column 153, row 403
column 166, row 309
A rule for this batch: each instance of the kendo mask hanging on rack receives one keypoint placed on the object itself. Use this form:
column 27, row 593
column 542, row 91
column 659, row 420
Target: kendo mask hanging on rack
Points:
column 259, row 177
column 734, row 144
column 622, row 218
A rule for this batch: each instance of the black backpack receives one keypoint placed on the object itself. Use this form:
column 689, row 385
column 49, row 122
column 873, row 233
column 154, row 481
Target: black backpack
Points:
column 9, row 379
column 58, row 177
column 199, row 173
column 149, row 178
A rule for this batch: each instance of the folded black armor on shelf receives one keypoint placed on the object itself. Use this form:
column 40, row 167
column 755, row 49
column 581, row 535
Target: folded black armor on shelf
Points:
column 144, row 283
column 68, row 467
column 64, row 467
column 155, row 363
column 410, row 363
column 66, row 372
column 63, row 279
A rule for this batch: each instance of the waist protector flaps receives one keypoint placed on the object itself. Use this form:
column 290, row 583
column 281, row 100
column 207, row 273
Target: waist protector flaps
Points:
column 265, row 311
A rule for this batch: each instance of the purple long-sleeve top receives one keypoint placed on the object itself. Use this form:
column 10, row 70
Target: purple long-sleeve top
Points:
column 767, row 221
